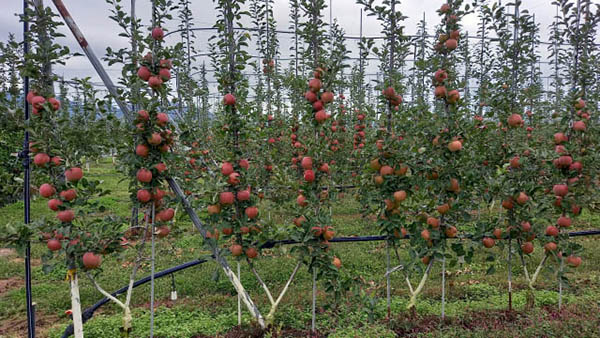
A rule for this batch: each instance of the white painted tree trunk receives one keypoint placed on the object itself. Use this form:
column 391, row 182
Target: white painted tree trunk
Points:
column 76, row 307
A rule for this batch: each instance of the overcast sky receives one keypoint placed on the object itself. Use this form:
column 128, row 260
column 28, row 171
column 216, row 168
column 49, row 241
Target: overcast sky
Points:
column 100, row 31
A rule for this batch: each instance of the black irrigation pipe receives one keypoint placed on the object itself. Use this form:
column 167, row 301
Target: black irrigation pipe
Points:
column 89, row 312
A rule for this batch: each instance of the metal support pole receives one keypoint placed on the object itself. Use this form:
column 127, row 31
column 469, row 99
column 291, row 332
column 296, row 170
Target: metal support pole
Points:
column 92, row 57
column 314, row 300
column 391, row 65
column 239, row 275
column 509, row 273
column 443, row 288
column 360, row 63
column 152, row 272
column 388, row 288
column 26, row 197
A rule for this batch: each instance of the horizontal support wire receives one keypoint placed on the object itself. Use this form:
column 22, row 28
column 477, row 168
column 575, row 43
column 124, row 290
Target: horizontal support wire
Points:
column 353, row 37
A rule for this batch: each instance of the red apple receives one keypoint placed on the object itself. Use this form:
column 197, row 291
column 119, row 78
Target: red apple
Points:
column 164, row 74
column 455, row 146
column 155, row 82
column 309, row 176
column 160, row 167
column 560, row 190
column 489, row 242
column 144, row 73
column 251, row 212
column 68, row 195
column 158, row 33
column 144, row 175
column 166, row 215
column 226, row 198
column 91, row 260
column 142, row 150
column 551, row 230
column 564, row 221
column 144, row 195
column 527, row 247
column 54, row 203
column 47, row 190
column 73, row 174
column 243, row 195
column 53, row 244
column 65, row 216
column 229, row 100
column 41, row 159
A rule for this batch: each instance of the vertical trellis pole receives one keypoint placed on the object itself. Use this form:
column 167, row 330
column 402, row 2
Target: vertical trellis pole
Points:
column 556, row 74
column 360, row 63
column 533, row 70
column 443, row 288
column 314, row 300
column 239, row 298
column 153, row 253
column 560, row 284
column 26, row 186
column 269, row 57
column 413, row 78
column 509, row 266
column 388, row 285
column 481, row 70
column 423, row 37
column 152, row 272
column 467, row 68
column 392, row 55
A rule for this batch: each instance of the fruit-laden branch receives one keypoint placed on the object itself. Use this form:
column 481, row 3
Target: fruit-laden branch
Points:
column 415, row 294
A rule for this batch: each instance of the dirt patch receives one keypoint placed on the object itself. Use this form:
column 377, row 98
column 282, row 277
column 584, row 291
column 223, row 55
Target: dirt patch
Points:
column 245, row 331
column 4, row 252
column 414, row 325
column 34, row 262
column 17, row 326
column 11, row 283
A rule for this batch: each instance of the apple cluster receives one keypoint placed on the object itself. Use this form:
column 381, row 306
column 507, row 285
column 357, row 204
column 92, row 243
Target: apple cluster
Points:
column 317, row 99
column 155, row 74
column 236, row 206
column 155, row 139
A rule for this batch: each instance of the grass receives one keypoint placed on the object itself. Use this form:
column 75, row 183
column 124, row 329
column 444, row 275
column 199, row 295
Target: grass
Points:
column 208, row 306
